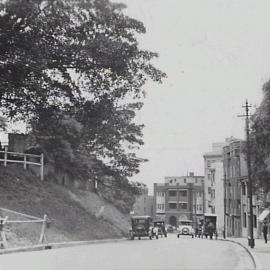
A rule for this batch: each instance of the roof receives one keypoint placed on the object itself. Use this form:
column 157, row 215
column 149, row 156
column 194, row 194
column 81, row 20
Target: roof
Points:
column 134, row 217
column 213, row 154
column 210, row 214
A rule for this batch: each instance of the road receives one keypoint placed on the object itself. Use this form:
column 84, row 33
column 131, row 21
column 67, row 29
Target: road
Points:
column 163, row 254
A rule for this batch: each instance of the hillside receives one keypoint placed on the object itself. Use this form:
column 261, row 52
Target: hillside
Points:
column 75, row 214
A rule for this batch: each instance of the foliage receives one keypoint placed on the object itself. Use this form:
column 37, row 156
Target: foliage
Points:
column 73, row 71
column 260, row 142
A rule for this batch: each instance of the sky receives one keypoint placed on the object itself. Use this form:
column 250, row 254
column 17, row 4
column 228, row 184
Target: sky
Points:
column 216, row 54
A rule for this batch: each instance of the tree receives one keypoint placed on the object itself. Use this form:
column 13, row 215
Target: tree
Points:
column 79, row 50
column 260, row 142
column 74, row 72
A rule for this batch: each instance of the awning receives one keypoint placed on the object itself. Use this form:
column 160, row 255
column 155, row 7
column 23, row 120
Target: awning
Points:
column 264, row 214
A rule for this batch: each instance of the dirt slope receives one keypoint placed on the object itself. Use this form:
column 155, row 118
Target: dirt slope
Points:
column 75, row 215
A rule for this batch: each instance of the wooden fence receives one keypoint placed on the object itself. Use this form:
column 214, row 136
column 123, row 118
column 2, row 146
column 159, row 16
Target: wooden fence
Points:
column 4, row 221
column 23, row 158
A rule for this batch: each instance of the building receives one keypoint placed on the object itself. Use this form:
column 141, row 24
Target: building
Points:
column 179, row 198
column 214, row 184
column 236, row 193
column 143, row 205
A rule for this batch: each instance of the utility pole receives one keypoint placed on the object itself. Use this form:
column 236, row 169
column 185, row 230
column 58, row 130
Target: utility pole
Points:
column 251, row 241
column 225, row 199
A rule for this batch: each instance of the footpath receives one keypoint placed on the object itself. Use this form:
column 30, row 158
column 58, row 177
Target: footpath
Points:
column 260, row 253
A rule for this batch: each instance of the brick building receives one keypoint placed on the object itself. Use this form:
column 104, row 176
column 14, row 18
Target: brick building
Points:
column 179, row 198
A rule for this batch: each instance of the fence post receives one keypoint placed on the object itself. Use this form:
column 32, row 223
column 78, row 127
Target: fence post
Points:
column 24, row 161
column 5, row 156
column 3, row 241
column 42, row 167
column 42, row 234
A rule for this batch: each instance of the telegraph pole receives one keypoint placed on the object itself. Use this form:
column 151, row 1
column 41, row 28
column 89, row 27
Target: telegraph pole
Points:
column 225, row 199
column 251, row 241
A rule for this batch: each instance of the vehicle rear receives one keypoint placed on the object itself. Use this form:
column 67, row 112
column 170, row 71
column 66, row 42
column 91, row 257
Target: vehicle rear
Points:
column 185, row 228
column 140, row 227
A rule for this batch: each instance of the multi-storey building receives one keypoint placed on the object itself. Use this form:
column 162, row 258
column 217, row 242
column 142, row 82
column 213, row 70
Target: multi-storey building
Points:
column 179, row 198
column 236, row 192
column 214, row 184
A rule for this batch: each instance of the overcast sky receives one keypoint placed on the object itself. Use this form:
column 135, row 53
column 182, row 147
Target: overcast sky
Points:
column 216, row 54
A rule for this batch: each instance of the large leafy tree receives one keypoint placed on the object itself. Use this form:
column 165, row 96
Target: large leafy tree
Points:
column 73, row 71
column 260, row 142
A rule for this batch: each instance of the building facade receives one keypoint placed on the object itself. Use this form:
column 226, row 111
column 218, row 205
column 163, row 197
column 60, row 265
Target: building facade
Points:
column 236, row 193
column 179, row 198
column 214, row 183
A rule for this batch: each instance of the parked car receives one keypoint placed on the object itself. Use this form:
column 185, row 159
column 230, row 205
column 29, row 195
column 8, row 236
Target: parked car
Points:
column 185, row 228
column 141, row 226
column 210, row 225
column 161, row 227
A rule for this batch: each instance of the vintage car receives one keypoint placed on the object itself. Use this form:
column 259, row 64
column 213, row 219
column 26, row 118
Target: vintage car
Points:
column 141, row 226
column 210, row 225
column 161, row 227
column 185, row 228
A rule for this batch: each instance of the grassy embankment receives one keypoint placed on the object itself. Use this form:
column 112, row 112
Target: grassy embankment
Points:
column 75, row 214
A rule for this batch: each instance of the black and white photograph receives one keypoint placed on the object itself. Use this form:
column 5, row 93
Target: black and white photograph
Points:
column 134, row 135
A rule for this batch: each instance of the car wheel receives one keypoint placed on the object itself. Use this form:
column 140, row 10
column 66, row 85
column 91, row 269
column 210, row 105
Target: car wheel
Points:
column 178, row 235
column 139, row 238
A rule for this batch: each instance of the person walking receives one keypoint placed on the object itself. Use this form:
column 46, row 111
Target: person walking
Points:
column 265, row 230
column 211, row 229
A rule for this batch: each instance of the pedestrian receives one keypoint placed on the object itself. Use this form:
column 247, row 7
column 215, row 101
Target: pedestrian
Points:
column 265, row 230
column 211, row 229
column 156, row 232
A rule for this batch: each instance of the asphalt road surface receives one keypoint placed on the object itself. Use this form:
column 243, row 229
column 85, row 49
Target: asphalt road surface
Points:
column 163, row 254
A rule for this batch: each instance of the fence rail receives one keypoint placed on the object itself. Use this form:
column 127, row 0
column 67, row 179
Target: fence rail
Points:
column 4, row 221
column 7, row 159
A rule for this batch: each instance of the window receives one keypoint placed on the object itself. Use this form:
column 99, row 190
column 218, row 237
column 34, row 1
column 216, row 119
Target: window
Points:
column 172, row 205
column 185, row 180
column 254, row 221
column 243, row 189
column 183, row 206
column 209, row 190
column 245, row 220
column 172, row 193
column 183, row 193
